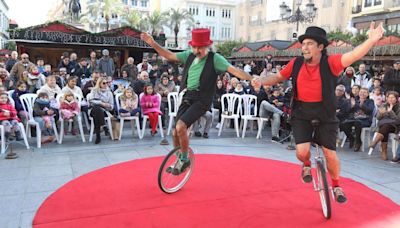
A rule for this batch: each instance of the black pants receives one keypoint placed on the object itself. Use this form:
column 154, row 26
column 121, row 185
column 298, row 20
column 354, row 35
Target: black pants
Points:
column 358, row 125
column 385, row 130
column 191, row 108
column 98, row 115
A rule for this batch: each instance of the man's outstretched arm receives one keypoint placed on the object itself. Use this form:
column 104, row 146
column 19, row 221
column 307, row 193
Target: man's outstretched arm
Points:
column 239, row 73
column 271, row 79
column 170, row 56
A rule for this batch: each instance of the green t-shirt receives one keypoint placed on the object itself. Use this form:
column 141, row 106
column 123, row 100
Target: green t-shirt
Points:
column 193, row 81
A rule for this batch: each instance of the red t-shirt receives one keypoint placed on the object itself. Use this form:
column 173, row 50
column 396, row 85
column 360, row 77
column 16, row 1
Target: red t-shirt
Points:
column 309, row 85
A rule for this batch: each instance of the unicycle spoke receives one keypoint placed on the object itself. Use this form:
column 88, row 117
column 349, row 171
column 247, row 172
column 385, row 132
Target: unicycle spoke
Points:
column 169, row 180
column 323, row 189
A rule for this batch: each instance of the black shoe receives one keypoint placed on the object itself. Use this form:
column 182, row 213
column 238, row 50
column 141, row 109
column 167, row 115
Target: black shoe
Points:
column 275, row 139
column 306, row 174
column 205, row 135
column 98, row 139
column 197, row 134
column 351, row 143
column 340, row 197
column 357, row 147
column 179, row 167
column 395, row 160
column 106, row 131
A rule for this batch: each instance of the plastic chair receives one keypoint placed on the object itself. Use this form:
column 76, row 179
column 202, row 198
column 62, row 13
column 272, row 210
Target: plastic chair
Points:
column 78, row 99
column 233, row 101
column 173, row 107
column 261, row 124
column 249, row 103
column 131, row 118
column 145, row 117
column 28, row 101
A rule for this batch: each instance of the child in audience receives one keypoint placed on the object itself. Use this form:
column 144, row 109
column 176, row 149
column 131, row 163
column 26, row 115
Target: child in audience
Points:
column 129, row 103
column 43, row 114
column 150, row 106
column 9, row 118
column 377, row 96
column 70, row 110
column 20, row 90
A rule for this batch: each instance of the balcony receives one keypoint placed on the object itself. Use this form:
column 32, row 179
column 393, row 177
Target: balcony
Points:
column 356, row 9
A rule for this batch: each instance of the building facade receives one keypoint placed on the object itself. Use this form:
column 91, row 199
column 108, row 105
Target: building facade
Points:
column 386, row 11
column 218, row 16
column 260, row 20
column 4, row 23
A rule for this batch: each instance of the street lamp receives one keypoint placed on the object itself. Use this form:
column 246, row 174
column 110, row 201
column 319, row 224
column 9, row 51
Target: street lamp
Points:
column 298, row 16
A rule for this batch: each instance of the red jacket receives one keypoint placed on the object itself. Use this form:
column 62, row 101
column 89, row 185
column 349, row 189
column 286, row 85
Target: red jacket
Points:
column 73, row 106
column 9, row 107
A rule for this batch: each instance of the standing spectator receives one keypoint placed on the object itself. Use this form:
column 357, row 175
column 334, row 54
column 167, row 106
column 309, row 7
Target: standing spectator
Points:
column 247, row 67
column 19, row 67
column 391, row 81
column 61, row 78
column 65, row 63
column 144, row 66
column 93, row 61
column 82, row 71
column 5, row 79
column 347, row 79
column 130, row 68
column 376, row 82
column 106, row 64
column 149, row 103
column 361, row 111
column 101, row 100
column 388, row 117
column 155, row 74
column 47, row 70
column 11, row 61
column 73, row 59
column 362, row 77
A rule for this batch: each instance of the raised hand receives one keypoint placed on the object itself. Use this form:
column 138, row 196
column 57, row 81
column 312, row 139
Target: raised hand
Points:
column 146, row 38
column 375, row 33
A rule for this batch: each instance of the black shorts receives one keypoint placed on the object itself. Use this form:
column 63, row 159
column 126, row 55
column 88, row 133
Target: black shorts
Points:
column 191, row 109
column 326, row 132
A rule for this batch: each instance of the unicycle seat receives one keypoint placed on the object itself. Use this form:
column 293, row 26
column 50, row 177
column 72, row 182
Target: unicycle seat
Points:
column 315, row 123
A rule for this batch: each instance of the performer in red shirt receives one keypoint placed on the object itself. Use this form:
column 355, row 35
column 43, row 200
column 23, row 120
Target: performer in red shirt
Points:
column 314, row 77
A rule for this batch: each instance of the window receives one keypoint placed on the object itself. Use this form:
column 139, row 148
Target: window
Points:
column 125, row 2
column 226, row 13
column 367, row 3
column 134, row 2
column 327, row 3
column 144, row 3
column 377, row 2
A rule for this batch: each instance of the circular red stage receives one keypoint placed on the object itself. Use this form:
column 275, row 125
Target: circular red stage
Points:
column 224, row 191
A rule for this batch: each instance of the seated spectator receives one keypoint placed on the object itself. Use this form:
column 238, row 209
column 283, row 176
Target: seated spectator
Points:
column 5, row 79
column 355, row 90
column 101, row 100
column 82, row 71
column 47, row 70
column 8, row 118
column 40, row 64
column 20, row 67
column 35, row 79
column 44, row 115
column 130, row 69
column 139, row 84
column 69, row 109
column 20, row 90
column 66, row 63
column 377, row 96
column 239, row 89
column 149, row 104
column 129, row 103
column 362, row 77
column 90, row 85
column 164, row 88
column 72, row 87
column 50, row 88
column 376, row 82
column 388, row 117
column 361, row 113
column 343, row 104
column 61, row 78
column 232, row 85
column 197, row 125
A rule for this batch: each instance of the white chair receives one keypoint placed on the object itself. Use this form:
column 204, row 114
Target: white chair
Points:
column 232, row 111
column 394, row 143
column 173, row 107
column 249, row 103
column 261, row 124
column 145, row 117
column 365, row 132
column 28, row 101
column 10, row 92
column 123, row 118
column 70, row 121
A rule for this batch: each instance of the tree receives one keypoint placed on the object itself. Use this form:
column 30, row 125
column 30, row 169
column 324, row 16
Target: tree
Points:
column 155, row 22
column 175, row 18
column 105, row 9
column 338, row 34
column 133, row 18
column 226, row 48
column 359, row 38
column 11, row 45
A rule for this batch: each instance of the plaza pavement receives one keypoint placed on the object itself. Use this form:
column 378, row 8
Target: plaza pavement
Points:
column 27, row 181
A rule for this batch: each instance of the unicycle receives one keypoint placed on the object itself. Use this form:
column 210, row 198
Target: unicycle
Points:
column 321, row 183
column 169, row 181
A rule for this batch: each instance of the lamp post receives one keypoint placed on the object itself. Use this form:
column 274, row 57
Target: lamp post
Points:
column 298, row 16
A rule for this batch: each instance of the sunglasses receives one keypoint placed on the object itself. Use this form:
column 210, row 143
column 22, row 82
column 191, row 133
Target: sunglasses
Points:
column 104, row 83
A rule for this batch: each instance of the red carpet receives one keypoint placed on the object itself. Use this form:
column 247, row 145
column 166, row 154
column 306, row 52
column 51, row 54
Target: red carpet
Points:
column 224, row 191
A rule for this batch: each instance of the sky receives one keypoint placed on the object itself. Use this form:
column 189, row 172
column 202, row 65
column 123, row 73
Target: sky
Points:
column 29, row 12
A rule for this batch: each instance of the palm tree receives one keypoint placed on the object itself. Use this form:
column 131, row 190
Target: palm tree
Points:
column 106, row 8
column 175, row 18
column 155, row 22
column 133, row 18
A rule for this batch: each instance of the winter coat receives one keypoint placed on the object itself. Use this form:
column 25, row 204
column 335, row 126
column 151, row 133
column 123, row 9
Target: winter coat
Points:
column 154, row 100
column 132, row 71
column 106, row 66
column 97, row 95
column 129, row 104
column 391, row 81
column 161, row 88
column 40, row 108
column 18, row 105
column 68, row 109
column 8, row 107
column 18, row 69
column 51, row 92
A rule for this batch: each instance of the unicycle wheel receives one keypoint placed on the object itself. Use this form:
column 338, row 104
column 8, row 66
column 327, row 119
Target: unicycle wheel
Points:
column 170, row 181
column 323, row 190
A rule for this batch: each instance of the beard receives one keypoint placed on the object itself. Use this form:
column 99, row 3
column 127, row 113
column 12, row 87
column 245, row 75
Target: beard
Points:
column 309, row 60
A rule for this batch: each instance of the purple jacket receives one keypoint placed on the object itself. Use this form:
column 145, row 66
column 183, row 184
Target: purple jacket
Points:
column 154, row 99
